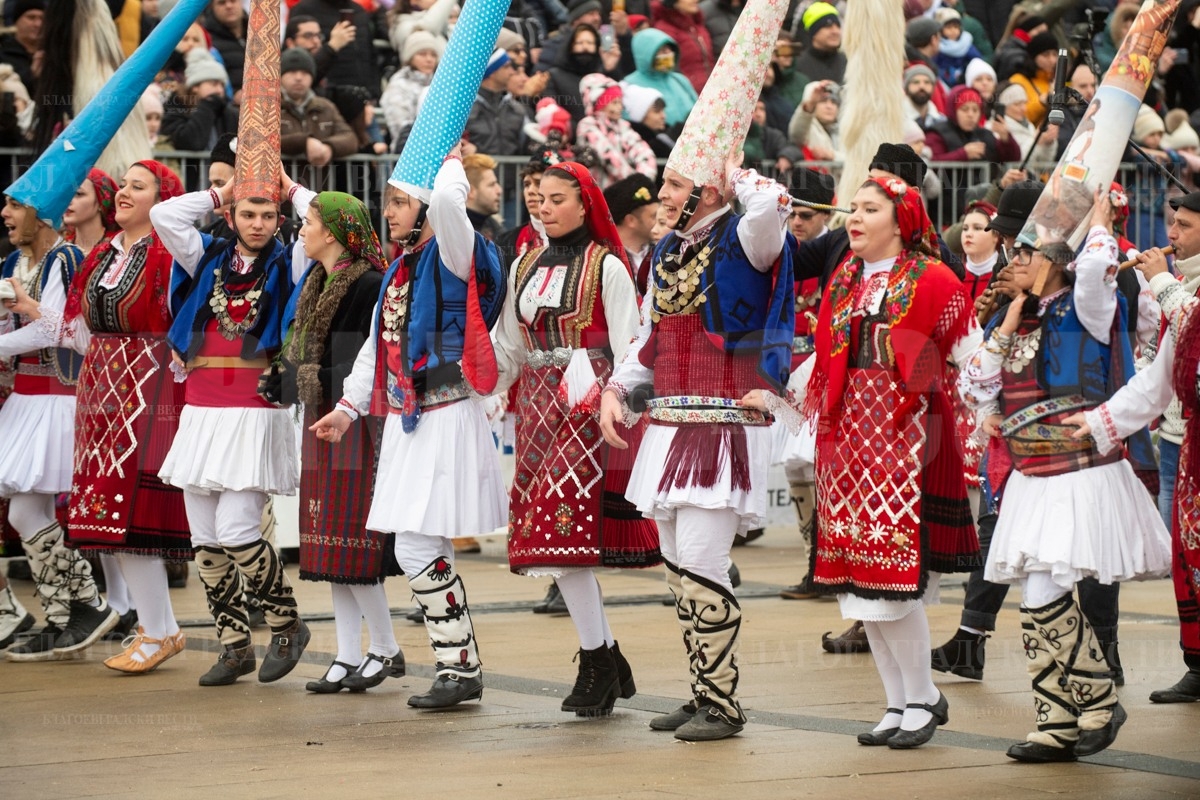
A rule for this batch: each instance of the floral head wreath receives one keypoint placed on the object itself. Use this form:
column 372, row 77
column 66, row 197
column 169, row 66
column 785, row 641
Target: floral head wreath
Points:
column 1120, row 204
column 916, row 229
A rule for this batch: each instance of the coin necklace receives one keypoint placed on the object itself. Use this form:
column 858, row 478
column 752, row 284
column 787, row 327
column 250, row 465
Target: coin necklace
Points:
column 222, row 300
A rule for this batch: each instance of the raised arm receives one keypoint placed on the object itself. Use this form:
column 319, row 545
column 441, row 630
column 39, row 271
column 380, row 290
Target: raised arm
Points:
column 448, row 215
column 763, row 228
column 175, row 222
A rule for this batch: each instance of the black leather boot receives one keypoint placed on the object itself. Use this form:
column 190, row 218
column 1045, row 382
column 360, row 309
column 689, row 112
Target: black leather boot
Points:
column 596, row 685
column 962, row 655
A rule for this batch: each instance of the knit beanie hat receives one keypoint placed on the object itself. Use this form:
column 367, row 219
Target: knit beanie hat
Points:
column 578, row 8
column 639, row 100
column 975, row 68
column 1041, row 43
column 820, row 15
column 421, row 40
column 920, row 30
column 1180, row 134
column 296, row 59
column 918, row 68
column 201, row 66
column 1147, row 122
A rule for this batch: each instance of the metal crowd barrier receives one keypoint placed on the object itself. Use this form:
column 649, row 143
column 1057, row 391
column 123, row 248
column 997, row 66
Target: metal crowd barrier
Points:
column 365, row 176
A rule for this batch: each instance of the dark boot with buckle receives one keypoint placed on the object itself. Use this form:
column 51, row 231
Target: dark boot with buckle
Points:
column 233, row 663
column 962, row 655
column 1187, row 690
column 851, row 640
column 596, row 684
column 441, row 593
column 389, row 667
column 283, row 654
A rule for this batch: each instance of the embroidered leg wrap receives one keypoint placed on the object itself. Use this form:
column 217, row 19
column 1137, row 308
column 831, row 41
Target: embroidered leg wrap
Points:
column 263, row 573
column 223, row 589
column 716, row 623
column 1071, row 643
column 804, row 498
column 443, row 597
column 1053, row 705
column 685, row 620
column 60, row 573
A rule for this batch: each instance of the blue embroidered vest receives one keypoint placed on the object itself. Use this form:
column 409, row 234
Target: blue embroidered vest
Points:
column 68, row 257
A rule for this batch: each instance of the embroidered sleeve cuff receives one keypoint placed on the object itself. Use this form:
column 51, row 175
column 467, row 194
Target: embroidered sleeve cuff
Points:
column 1104, row 429
column 348, row 409
column 50, row 324
column 619, row 389
column 786, row 410
column 215, row 196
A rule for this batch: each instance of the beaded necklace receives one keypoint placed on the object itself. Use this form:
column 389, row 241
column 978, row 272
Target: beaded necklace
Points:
column 679, row 291
column 223, row 299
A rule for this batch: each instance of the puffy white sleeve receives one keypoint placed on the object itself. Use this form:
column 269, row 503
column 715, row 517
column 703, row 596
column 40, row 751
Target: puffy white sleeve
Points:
column 1137, row 403
column 448, row 215
column 507, row 341
column 629, row 372
column 980, row 378
column 1095, row 292
column 301, row 199
column 175, row 222
column 620, row 306
column 762, row 229
column 43, row 332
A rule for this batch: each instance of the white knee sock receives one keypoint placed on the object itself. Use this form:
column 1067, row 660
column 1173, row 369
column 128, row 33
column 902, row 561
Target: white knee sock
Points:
column 908, row 640
column 889, row 673
column 373, row 603
column 117, row 591
column 147, row 582
column 347, row 620
column 582, row 596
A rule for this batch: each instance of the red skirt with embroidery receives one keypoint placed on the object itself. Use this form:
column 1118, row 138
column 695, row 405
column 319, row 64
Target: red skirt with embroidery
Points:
column 126, row 416
column 1185, row 553
column 567, row 507
column 891, row 500
column 336, row 482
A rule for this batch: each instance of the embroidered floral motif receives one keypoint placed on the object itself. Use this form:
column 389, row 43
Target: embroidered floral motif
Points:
column 563, row 517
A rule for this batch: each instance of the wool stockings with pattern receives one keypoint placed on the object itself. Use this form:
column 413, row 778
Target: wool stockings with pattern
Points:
column 716, row 622
column 60, row 573
column 263, row 573
column 1053, row 706
column 684, row 617
column 441, row 594
column 804, row 498
column 1069, row 639
column 223, row 588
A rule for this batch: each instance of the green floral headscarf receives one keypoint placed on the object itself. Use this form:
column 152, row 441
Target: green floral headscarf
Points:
column 347, row 219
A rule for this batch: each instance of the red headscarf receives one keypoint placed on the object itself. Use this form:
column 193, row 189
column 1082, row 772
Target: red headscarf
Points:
column 980, row 207
column 596, row 214
column 916, row 228
column 106, row 192
column 169, row 184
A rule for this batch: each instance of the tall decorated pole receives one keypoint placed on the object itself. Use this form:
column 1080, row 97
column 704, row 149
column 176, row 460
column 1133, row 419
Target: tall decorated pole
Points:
column 256, row 173
column 51, row 181
column 1091, row 158
column 719, row 121
column 443, row 115
column 871, row 107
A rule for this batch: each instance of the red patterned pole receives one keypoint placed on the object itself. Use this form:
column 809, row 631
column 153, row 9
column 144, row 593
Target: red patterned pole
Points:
column 256, row 174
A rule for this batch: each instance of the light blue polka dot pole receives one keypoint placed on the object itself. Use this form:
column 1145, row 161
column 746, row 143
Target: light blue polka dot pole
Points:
column 51, row 181
column 443, row 115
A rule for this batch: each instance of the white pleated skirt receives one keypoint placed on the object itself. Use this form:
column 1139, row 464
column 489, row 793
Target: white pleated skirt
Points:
column 443, row 479
column 233, row 449
column 751, row 506
column 39, row 444
column 1099, row 522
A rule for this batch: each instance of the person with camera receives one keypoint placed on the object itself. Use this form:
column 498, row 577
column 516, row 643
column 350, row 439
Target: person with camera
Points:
column 814, row 124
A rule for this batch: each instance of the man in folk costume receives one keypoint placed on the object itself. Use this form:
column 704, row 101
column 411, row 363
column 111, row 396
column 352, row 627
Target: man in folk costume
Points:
column 427, row 360
column 716, row 323
column 234, row 449
column 39, row 421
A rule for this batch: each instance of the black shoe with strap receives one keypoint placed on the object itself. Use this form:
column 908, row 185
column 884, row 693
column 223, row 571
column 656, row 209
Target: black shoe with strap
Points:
column 906, row 740
column 1037, row 753
column 880, row 738
column 232, row 663
column 390, row 667
column 284, row 652
column 326, row 686
column 449, row 689
column 675, row 719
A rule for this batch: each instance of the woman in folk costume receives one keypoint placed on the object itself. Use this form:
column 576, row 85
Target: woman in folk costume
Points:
column 437, row 446
column 1069, row 511
column 39, row 419
column 91, row 217
column 332, row 318
column 234, row 449
column 571, row 312
column 717, row 323
column 891, row 504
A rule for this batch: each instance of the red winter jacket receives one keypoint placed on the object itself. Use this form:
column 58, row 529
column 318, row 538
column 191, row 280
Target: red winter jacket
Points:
column 696, row 58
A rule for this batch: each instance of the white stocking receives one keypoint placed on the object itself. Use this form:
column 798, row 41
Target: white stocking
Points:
column 889, row 673
column 147, row 582
column 117, row 590
column 347, row 620
column 908, row 640
column 581, row 593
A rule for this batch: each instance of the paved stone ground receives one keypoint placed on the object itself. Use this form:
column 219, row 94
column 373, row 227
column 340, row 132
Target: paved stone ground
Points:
column 75, row 729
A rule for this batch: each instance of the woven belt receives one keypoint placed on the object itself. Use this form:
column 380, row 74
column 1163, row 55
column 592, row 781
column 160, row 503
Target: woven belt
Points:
column 558, row 357
column 229, row 362
column 444, row 395
column 1045, row 408
column 802, row 345
column 703, row 410
column 1049, row 440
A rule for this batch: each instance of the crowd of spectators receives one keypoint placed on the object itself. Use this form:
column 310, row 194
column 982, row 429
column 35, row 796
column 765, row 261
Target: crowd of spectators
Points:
column 616, row 81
